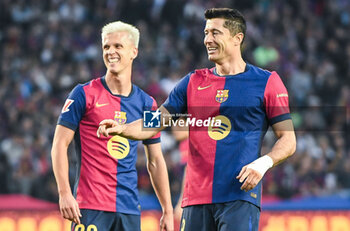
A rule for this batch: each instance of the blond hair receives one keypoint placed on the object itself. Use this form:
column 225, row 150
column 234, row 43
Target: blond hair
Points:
column 117, row 26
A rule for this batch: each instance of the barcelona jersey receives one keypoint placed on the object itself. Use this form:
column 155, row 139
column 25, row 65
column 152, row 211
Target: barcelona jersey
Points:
column 245, row 104
column 106, row 178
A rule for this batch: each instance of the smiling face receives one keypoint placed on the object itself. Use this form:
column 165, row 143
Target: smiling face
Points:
column 119, row 51
column 220, row 43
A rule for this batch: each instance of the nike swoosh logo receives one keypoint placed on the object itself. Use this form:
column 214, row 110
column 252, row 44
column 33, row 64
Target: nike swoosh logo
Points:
column 202, row 88
column 101, row 105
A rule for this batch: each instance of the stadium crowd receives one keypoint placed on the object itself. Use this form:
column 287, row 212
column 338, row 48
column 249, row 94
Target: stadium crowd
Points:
column 46, row 47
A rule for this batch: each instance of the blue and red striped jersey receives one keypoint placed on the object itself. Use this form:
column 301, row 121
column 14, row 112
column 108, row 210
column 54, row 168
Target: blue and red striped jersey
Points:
column 246, row 104
column 106, row 178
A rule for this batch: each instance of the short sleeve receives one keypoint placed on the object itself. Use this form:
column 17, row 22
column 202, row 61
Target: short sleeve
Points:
column 73, row 109
column 276, row 100
column 177, row 100
column 155, row 138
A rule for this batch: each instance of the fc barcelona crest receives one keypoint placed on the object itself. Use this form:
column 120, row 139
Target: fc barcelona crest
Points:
column 221, row 96
column 120, row 117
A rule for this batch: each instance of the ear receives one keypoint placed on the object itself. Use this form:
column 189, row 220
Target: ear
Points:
column 238, row 39
column 135, row 52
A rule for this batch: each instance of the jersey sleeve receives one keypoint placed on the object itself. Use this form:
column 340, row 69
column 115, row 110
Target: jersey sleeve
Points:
column 276, row 100
column 177, row 99
column 73, row 109
column 155, row 138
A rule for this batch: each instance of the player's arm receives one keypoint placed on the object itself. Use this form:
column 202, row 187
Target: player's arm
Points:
column 178, row 209
column 180, row 134
column 68, row 206
column 176, row 103
column 134, row 130
column 284, row 147
column 159, row 177
column 286, row 142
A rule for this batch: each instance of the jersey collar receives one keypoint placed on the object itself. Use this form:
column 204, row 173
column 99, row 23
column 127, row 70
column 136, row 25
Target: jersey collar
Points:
column 103, row 81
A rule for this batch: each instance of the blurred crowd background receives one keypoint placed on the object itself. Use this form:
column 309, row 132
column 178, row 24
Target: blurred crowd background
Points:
column 47, row 47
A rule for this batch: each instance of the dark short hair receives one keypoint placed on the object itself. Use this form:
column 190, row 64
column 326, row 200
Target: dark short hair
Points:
column 234, row 22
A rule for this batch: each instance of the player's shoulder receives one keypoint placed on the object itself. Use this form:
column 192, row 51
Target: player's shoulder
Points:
column 259, row 72
column 78, row 90
column 94, row 83
column 138, row 91
column 201, row 73
column 90, row 87
column 140, row 94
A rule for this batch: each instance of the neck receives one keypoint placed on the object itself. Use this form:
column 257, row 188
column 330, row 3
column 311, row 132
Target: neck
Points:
column 232, row 67
column 119, row 84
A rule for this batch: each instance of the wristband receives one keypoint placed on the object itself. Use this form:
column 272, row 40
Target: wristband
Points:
column 261, row 164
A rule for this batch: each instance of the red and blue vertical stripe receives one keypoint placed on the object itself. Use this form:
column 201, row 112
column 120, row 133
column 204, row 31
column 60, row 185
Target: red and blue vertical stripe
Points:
column 104, row 182
column 256, row 98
